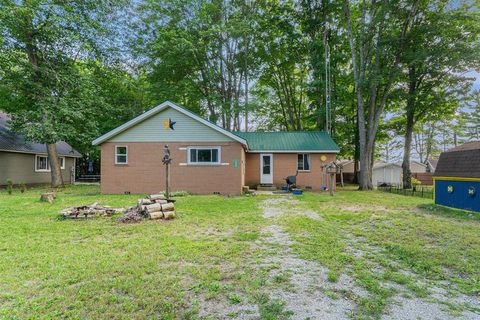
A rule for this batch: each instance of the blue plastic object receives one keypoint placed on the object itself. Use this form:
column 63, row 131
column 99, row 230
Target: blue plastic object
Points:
column 297, row 191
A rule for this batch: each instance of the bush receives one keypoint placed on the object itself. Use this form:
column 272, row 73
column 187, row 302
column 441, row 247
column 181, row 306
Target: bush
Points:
column 23, row 187
column 416, row 182
column 179, row 193
column 9, row 186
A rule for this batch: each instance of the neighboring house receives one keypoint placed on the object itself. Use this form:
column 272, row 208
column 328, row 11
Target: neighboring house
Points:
column 457, row 177
column 348, row 170
column 205, row 157
column 431, row 165
column 27, row 162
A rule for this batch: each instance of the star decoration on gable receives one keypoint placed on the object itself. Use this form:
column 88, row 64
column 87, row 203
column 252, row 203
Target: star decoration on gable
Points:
column 169, row 124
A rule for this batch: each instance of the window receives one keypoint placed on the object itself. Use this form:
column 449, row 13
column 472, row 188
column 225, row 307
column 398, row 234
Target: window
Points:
column 42, row 163
column 303, row 162
column 121, row 154
column 204, row 155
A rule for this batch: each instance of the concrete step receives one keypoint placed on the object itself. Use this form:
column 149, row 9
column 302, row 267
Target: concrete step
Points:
column 266, row 187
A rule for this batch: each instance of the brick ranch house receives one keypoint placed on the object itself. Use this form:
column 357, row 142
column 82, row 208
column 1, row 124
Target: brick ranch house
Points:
column 205, row 157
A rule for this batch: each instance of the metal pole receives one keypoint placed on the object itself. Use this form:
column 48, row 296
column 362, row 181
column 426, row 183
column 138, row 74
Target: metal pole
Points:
column 166, row 161
column 332, row 181
column 167, row 182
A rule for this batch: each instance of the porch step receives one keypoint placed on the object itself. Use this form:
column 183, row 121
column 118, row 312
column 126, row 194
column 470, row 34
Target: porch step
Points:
column 266, row 187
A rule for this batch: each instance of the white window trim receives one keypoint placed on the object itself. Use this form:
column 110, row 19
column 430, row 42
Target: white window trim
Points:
column 309, row 164
column 121, row 154
column 48, row 163
column 35, row 163
column 219, row 160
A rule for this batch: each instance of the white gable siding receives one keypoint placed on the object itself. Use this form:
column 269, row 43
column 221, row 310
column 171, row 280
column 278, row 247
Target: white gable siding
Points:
column 186, row 129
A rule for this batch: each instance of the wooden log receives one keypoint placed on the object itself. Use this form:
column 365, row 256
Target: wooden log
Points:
column 168, row 207
column 156, row 215
column 161, row 201
column 144, row 202
column 157, row 197
column 168, row 215
column 47, row 197
column 153, row 208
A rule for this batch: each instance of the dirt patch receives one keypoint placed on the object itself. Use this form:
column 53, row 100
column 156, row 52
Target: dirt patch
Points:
column 359, row 207
column 301, row 284
column 416, row 308
column 222, row 309
column 275, row 207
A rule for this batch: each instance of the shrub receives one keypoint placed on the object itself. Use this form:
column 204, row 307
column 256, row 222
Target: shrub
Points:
column 23, row 187
column 179, row 194
column 416, row 182
column 9, row 186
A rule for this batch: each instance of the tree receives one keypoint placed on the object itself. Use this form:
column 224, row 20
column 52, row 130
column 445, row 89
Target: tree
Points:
column 425, row 141
column 284, row 70
column 201, row 53
column 433, row 67
column 46, row 90
column 376, row 33
column 472, row 118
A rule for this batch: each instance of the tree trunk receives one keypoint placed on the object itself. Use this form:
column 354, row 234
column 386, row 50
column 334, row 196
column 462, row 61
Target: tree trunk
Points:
column 55, row 169
column 364, row 181
column 407, row 173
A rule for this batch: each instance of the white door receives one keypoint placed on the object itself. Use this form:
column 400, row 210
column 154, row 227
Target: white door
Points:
column 266, row 168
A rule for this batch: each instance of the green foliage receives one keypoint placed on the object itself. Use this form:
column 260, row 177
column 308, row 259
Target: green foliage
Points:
column 416, row 182
column 9, row 186
column 23, row 187
column 55, row 80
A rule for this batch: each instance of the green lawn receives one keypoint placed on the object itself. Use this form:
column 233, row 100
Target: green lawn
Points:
column 100, row 269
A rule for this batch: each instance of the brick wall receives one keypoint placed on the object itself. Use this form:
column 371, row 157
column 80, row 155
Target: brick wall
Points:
column 145, row 172
column 285, row 164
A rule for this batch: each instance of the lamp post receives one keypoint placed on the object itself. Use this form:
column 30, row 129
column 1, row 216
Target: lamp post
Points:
column 167, row 161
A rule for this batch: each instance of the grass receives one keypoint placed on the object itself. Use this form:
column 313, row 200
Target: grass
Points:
column 378, row 238
column 98, row 268
column 102, row 269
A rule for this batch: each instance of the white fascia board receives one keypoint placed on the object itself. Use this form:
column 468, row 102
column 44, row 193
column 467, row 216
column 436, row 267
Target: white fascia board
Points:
column 156, row 110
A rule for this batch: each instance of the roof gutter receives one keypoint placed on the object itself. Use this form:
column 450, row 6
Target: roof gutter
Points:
column 294, row 151
column 42, row 153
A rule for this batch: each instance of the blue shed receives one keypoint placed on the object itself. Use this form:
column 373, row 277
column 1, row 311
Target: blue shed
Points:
column 457, row 177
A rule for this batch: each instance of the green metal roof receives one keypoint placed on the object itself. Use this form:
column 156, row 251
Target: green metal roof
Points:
column 289, row 141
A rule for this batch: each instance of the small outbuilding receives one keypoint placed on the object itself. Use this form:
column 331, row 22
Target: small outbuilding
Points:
column 387, row 172
column 457, row 177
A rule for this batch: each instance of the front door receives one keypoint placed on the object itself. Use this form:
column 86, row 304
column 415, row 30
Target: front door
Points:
column 266, row 168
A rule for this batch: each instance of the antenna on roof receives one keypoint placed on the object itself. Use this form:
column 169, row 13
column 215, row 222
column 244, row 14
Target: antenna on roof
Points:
column 328, row 119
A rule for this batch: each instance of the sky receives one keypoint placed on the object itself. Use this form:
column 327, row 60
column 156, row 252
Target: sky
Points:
column 476, row 75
